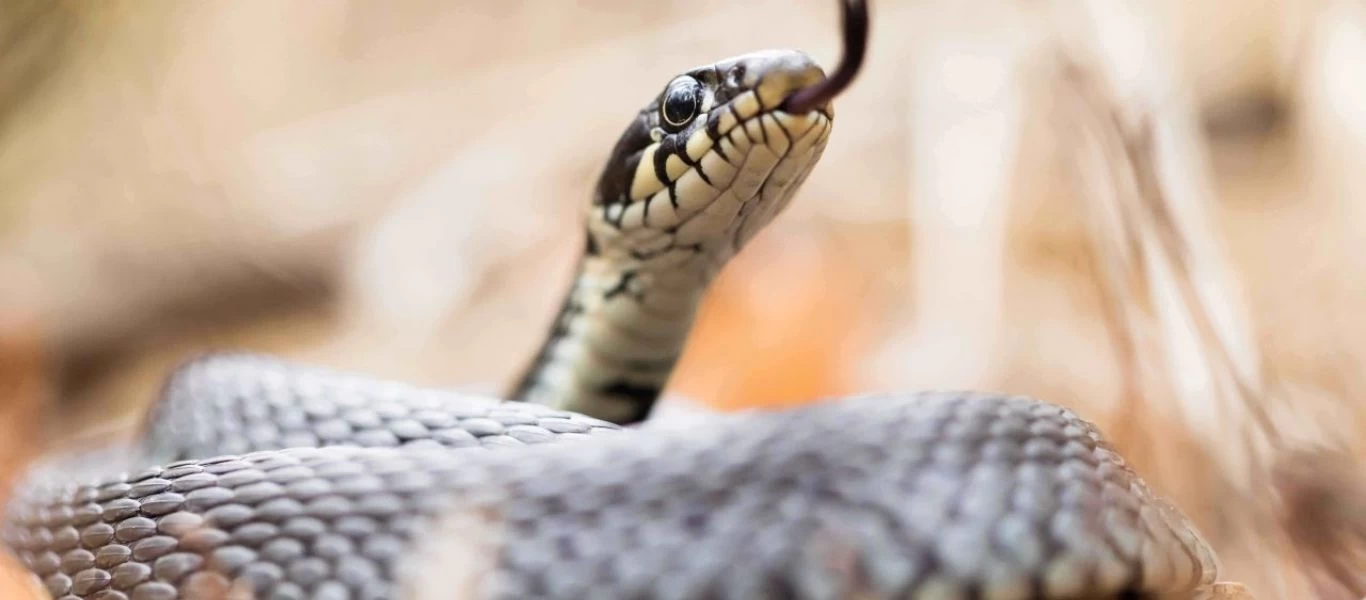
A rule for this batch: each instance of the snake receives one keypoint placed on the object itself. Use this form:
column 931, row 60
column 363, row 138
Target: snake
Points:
column 256, row 477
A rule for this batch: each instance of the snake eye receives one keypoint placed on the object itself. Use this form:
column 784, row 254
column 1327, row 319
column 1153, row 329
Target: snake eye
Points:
column 681, row 101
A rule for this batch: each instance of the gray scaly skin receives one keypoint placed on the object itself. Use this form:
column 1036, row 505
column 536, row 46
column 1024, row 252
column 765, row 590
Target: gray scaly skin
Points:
column 940, row 495
column 234, row 404
column 701, row 169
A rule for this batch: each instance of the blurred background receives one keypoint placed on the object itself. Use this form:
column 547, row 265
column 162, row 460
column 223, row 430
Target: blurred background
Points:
column 1149, row 211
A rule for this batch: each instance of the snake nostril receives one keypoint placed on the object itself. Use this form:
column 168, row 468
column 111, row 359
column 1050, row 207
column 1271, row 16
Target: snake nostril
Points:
column 735, row 78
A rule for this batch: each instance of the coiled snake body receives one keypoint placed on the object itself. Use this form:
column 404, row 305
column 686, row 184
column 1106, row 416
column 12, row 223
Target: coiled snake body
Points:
column 254, row 478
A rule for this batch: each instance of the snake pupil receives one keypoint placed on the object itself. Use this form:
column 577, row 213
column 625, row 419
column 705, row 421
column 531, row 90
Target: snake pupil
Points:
column 680, row 102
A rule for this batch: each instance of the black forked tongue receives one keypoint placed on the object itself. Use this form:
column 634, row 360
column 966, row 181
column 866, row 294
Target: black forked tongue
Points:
column 854, row 23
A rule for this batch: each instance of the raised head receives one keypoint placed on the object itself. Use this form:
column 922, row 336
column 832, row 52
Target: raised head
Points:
column 713, row 158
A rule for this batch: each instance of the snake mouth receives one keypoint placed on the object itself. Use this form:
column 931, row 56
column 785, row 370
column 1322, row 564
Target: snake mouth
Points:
column 854, row 25
column 783, row 75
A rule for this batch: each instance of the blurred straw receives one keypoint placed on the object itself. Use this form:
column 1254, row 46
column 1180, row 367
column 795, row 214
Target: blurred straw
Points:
column 1143, row 285
column 1320, row 482
column 1139, row 156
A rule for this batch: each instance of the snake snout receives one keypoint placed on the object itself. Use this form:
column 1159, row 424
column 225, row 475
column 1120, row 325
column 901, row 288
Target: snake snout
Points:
column 774, row 76
column 779, row 86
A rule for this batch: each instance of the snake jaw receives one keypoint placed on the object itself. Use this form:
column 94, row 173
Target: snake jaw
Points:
column 791, row 72
column 694, row 191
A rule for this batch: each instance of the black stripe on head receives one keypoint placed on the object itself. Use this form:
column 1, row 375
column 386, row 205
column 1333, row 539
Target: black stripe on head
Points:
column 614, row 185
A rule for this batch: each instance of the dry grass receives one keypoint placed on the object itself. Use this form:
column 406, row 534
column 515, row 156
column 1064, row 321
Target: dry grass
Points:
column 1018, row 196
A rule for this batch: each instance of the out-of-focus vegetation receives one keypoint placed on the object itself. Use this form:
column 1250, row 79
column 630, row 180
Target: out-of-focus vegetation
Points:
column 1148, row 211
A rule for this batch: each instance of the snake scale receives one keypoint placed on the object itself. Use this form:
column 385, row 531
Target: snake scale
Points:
column 256, row 478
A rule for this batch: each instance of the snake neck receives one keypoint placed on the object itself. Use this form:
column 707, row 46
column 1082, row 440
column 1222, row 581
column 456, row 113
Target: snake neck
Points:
column 616, row 339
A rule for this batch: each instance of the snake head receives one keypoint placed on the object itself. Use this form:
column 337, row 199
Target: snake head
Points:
column 710, row 161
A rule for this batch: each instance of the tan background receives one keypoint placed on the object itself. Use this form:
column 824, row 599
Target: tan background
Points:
column 394, row 187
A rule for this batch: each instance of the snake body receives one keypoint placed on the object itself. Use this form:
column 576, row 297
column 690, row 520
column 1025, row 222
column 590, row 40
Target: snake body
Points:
column 257, row 478
column 936, row 495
